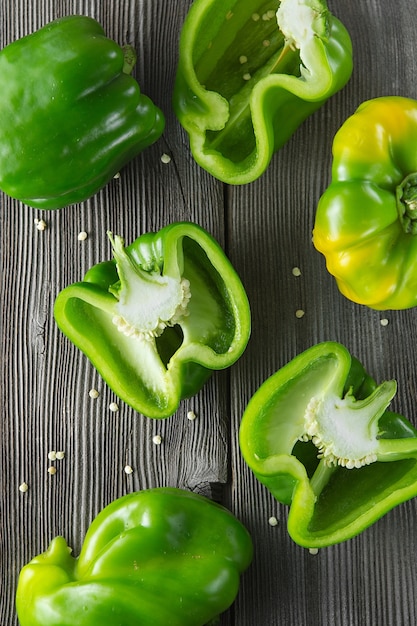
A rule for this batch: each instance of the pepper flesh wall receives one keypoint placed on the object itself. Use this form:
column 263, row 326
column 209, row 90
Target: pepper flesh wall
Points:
column 249, row 73
column 159, row 318
column 318, row 434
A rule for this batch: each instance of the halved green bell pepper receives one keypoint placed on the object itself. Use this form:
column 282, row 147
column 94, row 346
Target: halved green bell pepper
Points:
column 157, row 319
column 71, row 116
column 319, row 436
column 250, row 71
column 156, row 557
column 366, row 220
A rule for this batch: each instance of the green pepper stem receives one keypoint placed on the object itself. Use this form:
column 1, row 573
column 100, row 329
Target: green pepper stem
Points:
column 406, row 194
column 321, row 477
column 129, row 54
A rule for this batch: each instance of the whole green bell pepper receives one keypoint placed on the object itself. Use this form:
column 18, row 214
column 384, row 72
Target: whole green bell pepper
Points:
column 318, row 434
column 156, row 558
column 157, row 319
column 366, row 220
column 250, row 71
column 71, row 116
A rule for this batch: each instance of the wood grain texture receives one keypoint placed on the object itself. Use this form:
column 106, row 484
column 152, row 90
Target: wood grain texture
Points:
column 266, row 229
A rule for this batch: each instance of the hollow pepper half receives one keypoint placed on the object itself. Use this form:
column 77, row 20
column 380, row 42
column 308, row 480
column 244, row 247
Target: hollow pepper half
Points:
column 366, row 220
column 157, row 319
column 71, row 116
column 250, row 71
column 156, row 557
column 319, row 436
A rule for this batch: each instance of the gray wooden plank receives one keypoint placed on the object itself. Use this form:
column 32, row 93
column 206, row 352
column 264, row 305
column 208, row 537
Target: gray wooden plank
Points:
column 368, row 580
column 44, row 381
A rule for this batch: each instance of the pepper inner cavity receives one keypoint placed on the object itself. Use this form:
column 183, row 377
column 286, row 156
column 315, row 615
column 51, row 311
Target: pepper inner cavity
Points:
column 246, row 48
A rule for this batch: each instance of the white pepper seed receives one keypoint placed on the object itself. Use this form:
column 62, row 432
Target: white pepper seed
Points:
column 40, row 224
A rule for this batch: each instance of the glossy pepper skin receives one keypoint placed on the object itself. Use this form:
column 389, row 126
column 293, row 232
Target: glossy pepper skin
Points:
column 159, row 557
column 71, row 116
column 250, row 72
column 319, row 436
column 366, row 220
column 157, row 319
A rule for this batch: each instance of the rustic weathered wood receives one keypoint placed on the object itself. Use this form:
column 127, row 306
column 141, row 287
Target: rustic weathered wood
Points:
column 266, row 230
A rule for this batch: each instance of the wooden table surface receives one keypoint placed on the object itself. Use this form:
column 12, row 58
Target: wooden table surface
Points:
column 265, row 228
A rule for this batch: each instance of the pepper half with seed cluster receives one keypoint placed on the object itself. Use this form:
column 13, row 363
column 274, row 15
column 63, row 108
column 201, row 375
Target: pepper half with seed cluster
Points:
column 250, row 72
column 319, row 436
column 159, row 318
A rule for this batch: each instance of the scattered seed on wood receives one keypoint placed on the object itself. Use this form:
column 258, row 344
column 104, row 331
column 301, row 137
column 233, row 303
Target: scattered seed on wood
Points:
column 40, row 224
